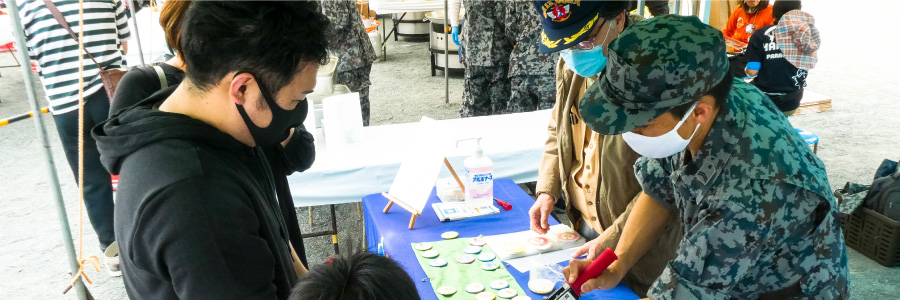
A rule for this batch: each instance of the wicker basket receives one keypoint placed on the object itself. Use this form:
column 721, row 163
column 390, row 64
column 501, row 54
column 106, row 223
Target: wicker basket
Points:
column 874, row 235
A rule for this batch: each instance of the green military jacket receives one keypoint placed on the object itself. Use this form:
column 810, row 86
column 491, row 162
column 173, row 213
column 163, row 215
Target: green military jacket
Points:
column 756, row 209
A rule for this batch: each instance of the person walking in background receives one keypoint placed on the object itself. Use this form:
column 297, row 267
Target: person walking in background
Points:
column 780, row 56
column 531, row 73
column 347, row 39
column 486, row 49
column 57, row 53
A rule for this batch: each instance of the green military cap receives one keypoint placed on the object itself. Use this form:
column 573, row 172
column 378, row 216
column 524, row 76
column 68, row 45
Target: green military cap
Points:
column 653, row 66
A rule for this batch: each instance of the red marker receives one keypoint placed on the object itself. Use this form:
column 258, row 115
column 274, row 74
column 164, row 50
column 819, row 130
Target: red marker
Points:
column 592, row 271
column 503, row 204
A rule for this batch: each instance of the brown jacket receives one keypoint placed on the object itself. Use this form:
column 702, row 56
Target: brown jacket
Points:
column 616, row 185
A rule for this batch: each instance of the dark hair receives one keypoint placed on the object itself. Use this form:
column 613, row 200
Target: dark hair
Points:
column 611, row 9
column 268, row 39
column 170, row 18
column 719, row 92
column 762, row 5
column 781, row 7
column 361, row 275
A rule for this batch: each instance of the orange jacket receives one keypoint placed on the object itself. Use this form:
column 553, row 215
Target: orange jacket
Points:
column 737, row 23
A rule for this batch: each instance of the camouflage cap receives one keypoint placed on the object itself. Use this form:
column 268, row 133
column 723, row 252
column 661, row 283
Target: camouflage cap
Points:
column 653, row 66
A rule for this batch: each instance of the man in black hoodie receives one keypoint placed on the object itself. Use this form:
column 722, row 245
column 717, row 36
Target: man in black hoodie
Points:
column 197, row 216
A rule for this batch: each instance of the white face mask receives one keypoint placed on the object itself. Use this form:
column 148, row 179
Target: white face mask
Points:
column 661, row 146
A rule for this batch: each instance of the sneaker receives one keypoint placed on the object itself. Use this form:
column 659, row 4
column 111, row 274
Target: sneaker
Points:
column 111, row 256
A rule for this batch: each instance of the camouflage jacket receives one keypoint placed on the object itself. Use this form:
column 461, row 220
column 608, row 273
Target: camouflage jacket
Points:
column 347, row 38
column 756, row 206
column 484, row 35
column 524, row 27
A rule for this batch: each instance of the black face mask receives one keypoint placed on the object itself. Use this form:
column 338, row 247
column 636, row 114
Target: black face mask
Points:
column 282, row 120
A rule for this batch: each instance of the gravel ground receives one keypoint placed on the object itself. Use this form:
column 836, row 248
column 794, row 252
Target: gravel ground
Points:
column 860, row 132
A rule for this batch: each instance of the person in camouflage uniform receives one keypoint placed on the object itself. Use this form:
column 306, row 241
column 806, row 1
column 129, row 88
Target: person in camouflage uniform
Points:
column 759, row 219
column 485, row 49
column 347, row 39
column 531, row 73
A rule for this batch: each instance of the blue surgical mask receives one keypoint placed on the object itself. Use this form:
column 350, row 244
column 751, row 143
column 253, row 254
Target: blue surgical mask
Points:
column 585, row 63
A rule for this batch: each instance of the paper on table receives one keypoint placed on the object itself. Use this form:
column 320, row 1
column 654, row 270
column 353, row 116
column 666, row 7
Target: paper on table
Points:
column 420, row 168
column 524, row 264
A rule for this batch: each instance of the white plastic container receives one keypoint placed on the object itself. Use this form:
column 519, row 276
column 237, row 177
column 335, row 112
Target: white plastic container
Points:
column 479, row 178
column 448, row 190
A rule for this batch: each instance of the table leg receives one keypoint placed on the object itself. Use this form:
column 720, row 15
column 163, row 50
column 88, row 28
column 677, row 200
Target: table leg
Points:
column 334, row 231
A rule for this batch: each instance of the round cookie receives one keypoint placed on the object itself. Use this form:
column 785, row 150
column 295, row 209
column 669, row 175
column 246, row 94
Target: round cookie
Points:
column 499, row 284
column 490, row 266
column 423, row 246
column 487, row 256
column 465, row 259
column 430, row 254
column 485, row 296
column 437, row 263
column 446, row 290
column 507, row 293
column 540, row 286
column 474, row 288
column 449, row 235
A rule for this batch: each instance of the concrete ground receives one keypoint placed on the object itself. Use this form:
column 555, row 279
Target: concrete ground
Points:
column 854, row 69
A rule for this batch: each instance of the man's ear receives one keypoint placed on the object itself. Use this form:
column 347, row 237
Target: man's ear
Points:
column 238, row 90
column 705, row 109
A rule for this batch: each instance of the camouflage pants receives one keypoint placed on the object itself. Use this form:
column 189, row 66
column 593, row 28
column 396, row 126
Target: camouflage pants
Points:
column 486, row 91
column 357, row 80
column 531, row 92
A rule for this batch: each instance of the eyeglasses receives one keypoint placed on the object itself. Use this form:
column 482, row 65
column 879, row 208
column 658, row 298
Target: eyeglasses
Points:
column 588, row 43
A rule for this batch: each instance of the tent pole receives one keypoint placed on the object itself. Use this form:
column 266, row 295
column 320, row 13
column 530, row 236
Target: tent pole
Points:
column 137, row 35
column 28, row 78
column 446, row 53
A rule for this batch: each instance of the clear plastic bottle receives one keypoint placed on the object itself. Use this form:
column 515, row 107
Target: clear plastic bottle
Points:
column 479, row 179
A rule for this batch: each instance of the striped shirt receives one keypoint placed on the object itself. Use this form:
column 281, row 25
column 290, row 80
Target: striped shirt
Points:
column 51, row 46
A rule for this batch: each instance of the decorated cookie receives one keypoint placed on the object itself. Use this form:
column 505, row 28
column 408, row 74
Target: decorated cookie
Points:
column 490, row 266
column 465, row 259
column 507, row 293
column 474, row 288
column 430, row 253
column 446, row 290
column 423, row 246
column 487, row 256
column 437, row 263
column 484, row 296
column 449, row 235
column 472, row 250
column 499, row 284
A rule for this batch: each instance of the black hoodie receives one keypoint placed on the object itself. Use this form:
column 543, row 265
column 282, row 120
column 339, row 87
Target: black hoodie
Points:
column 196, row 213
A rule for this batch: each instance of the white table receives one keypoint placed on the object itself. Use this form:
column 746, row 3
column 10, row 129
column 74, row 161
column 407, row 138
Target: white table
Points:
column 514, row 142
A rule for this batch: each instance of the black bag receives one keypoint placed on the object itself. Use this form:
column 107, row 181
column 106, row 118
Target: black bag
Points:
column 884, row 194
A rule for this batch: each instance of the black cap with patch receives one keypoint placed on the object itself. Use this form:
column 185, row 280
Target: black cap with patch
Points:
column 566, row 22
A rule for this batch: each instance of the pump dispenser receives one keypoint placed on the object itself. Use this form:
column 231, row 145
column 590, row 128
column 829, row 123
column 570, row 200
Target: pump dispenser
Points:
column 479, row 178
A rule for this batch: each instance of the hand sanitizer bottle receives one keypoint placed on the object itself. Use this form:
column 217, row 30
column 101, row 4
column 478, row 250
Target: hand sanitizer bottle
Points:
column 479, row 179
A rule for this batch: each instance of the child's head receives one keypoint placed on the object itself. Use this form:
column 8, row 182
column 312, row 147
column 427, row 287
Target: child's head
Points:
column 361, row 276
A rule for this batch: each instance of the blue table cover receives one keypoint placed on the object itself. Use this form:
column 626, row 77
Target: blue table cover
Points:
column 393, row 227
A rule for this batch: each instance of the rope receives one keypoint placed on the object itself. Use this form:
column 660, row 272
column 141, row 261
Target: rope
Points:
column 93, row 260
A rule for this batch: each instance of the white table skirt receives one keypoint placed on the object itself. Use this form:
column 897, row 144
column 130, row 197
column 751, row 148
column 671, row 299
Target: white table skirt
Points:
column 514, row 142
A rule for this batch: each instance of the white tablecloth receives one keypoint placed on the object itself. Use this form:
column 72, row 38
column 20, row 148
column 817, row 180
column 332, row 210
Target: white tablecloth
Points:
column 514, row 142
column 389, row 7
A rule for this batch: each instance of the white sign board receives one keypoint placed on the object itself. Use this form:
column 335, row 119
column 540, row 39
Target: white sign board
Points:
column 421, row 165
